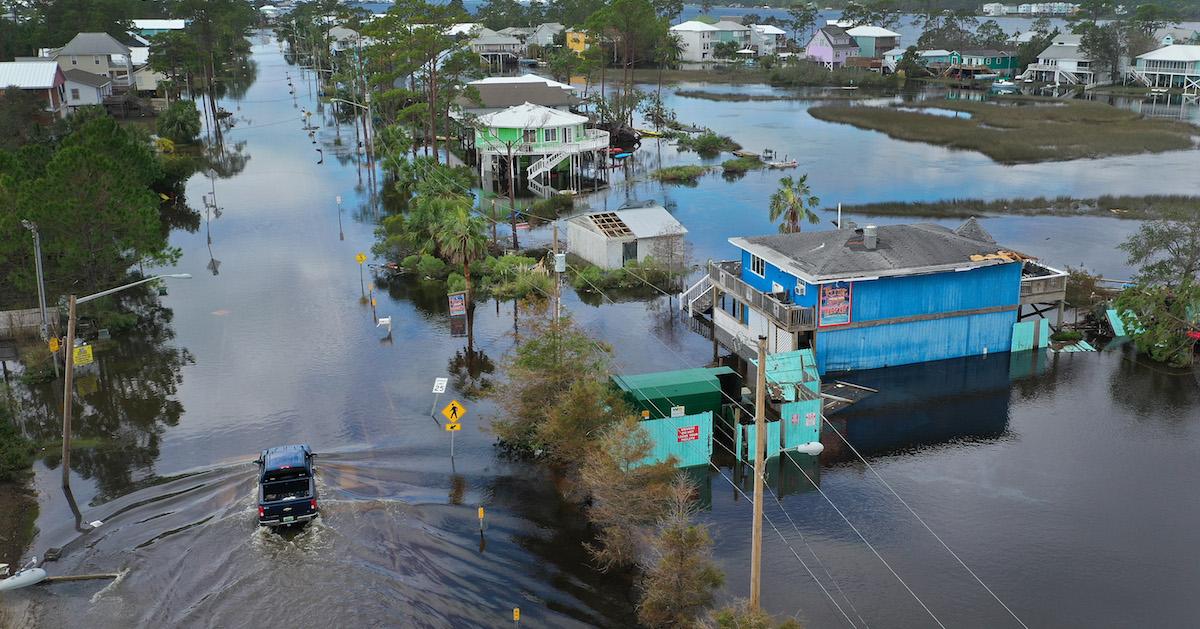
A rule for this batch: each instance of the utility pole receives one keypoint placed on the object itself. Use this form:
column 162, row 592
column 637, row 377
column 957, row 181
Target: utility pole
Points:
column 41, row 280
column 68, row 383
column 760, row 443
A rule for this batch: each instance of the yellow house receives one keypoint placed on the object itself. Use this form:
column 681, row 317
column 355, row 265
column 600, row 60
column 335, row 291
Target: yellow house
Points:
column 577, row 41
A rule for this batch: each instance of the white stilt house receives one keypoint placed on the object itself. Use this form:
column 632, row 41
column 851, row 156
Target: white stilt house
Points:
column 1176, row 66
column 530, row 141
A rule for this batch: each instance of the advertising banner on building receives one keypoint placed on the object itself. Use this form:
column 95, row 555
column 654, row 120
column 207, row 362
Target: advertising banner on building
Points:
column 833, row 307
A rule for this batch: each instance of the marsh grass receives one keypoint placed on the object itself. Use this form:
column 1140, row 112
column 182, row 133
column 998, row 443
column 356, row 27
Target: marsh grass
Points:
column 1132, row 207
column 741, row 164
column 1022, row 133
column 680, row 174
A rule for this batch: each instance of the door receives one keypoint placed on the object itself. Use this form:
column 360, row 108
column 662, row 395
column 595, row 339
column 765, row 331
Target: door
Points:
column 628, row 252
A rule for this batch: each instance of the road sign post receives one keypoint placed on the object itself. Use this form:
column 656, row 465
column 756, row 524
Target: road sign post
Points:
column 439, row 387
column 361, row 258
column 453, row 412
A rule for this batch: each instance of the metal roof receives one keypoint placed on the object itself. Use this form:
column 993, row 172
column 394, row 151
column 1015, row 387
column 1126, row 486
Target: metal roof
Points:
column 768, row 29
column 159, row 25
column 649, row 222
column 86, row 78
column 1177, row 52
column 672, row 384
column 790, row 372
column 834, row 255
column 530, row 116
column 871, row 31
column 1062, row 51
column 28, row 75
column 94, row 44
column 524, row 78
column 694, row 26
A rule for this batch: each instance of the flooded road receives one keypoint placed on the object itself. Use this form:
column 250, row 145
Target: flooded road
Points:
column 1065, row 483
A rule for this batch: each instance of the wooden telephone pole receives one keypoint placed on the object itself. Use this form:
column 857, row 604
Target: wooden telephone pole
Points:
column 760, row 447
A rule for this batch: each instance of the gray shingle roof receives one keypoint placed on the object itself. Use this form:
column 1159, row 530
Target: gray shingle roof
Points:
column 901, row 250
column 94, row 44
column 502, row 95
column 86, row 78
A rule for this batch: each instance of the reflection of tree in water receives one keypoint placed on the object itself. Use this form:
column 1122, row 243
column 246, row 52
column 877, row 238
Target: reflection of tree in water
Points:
column 124, row 401
column 471, row 370
column 1149, row 389
column 225, row 160
column 240, row 74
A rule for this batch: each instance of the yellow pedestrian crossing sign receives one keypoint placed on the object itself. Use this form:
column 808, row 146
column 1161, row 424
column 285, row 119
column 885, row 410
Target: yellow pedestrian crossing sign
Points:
column 360, row 257
column 454, row 412
column 453, row 427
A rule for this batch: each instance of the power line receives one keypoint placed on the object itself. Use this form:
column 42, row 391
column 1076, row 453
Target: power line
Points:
column 923, row 523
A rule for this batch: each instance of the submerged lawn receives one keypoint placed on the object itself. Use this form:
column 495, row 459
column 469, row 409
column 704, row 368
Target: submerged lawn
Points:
column 1022, row 132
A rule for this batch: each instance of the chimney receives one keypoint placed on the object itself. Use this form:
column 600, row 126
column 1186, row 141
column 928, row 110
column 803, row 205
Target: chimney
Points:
column 870, row 239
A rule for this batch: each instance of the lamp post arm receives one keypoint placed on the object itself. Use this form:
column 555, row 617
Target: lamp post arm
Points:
column 105, row 293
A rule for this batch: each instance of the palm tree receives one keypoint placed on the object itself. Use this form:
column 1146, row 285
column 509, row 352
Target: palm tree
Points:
column 461, row 238
column 791, row 202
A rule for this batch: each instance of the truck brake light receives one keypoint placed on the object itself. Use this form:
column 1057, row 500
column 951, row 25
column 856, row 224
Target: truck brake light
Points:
column 313, row 503
column 261, row 511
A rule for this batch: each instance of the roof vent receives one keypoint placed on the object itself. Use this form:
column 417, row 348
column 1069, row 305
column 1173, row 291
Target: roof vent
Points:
column 870, row 238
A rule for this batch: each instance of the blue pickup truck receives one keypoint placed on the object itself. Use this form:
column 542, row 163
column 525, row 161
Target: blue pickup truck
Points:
column 287, row 490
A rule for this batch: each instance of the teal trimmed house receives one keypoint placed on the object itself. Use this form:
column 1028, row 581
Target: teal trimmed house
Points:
column 1175, row 66
column 998, row 61
column 530, row 141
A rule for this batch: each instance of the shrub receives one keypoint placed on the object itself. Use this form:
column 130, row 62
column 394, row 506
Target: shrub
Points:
column 455, row 282
column 180, row 123
column 680, row 174
column 410, row 262
column 741, row 164
column 708, row 144
column 429, row 266
column 16, row 451
column 1066, row 336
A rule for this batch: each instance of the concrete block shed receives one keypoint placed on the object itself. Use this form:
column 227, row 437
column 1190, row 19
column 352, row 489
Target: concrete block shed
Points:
column 610, row 240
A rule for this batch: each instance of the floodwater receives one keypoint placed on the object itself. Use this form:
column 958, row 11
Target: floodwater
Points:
column 1063, row 482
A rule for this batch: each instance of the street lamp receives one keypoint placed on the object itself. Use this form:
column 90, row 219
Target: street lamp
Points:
column 37, row 259
column 68, row 378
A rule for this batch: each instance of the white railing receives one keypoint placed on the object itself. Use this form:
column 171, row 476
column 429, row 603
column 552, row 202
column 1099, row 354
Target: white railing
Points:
column 545, row 164
column 593, row 140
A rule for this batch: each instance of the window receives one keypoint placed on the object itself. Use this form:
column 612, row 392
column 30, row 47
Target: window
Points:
column 530, row 136
column 567, row 134
column 74, row 61
column 551, row 135
column 74, row 93
column 97, row 60
column 757, row 266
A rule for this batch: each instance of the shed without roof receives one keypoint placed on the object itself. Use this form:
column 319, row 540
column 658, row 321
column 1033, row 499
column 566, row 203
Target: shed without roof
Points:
column 530, row 116
column 650, row 222
column 94, row 44
column 901, row 250
column 29, row 75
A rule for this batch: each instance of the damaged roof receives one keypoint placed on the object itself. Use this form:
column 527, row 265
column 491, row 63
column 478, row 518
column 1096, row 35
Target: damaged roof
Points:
column 900, row 250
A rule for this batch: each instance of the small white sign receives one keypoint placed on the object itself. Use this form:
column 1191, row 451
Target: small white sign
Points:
column 439, row 385
column 678, row 411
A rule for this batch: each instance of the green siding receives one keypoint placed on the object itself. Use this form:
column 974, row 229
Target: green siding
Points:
column 688, row 439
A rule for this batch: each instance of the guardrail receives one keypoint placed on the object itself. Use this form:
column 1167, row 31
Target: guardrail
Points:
column 792, row 318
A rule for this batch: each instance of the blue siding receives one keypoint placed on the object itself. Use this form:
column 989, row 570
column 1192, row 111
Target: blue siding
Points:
column 773, row 274
column 919, row 341
column 985, row 287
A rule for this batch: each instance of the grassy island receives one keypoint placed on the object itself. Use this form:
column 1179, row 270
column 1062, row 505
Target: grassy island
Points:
column 1021, row 131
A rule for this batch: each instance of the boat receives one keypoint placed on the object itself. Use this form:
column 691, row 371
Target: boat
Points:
column 788, row 164
column 647, row 133
column 622, row 155
column 27, row 576
column 751, row 154
column 1003, row 83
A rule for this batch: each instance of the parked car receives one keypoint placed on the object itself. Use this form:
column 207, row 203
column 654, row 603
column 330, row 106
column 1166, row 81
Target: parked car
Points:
column 287, row 489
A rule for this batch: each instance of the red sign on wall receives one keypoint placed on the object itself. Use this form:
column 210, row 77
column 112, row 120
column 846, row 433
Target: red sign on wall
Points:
column 687, row 433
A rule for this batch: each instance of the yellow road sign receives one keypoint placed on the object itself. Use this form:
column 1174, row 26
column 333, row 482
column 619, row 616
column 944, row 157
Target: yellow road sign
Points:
column 360, row 257
column 452, row 427
column 454, row 411
column 54, row 344
column 83, row 355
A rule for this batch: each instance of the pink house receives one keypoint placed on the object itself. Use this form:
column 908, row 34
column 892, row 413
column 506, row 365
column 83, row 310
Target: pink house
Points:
column 831, row 46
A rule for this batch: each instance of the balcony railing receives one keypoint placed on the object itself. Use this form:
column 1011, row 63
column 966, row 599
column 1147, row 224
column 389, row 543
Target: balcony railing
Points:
column 1042, row 284
column 790, row 317
column 593, row 140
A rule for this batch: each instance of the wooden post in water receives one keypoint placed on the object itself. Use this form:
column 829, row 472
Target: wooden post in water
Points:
column 68, row 383
column 760, row 442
